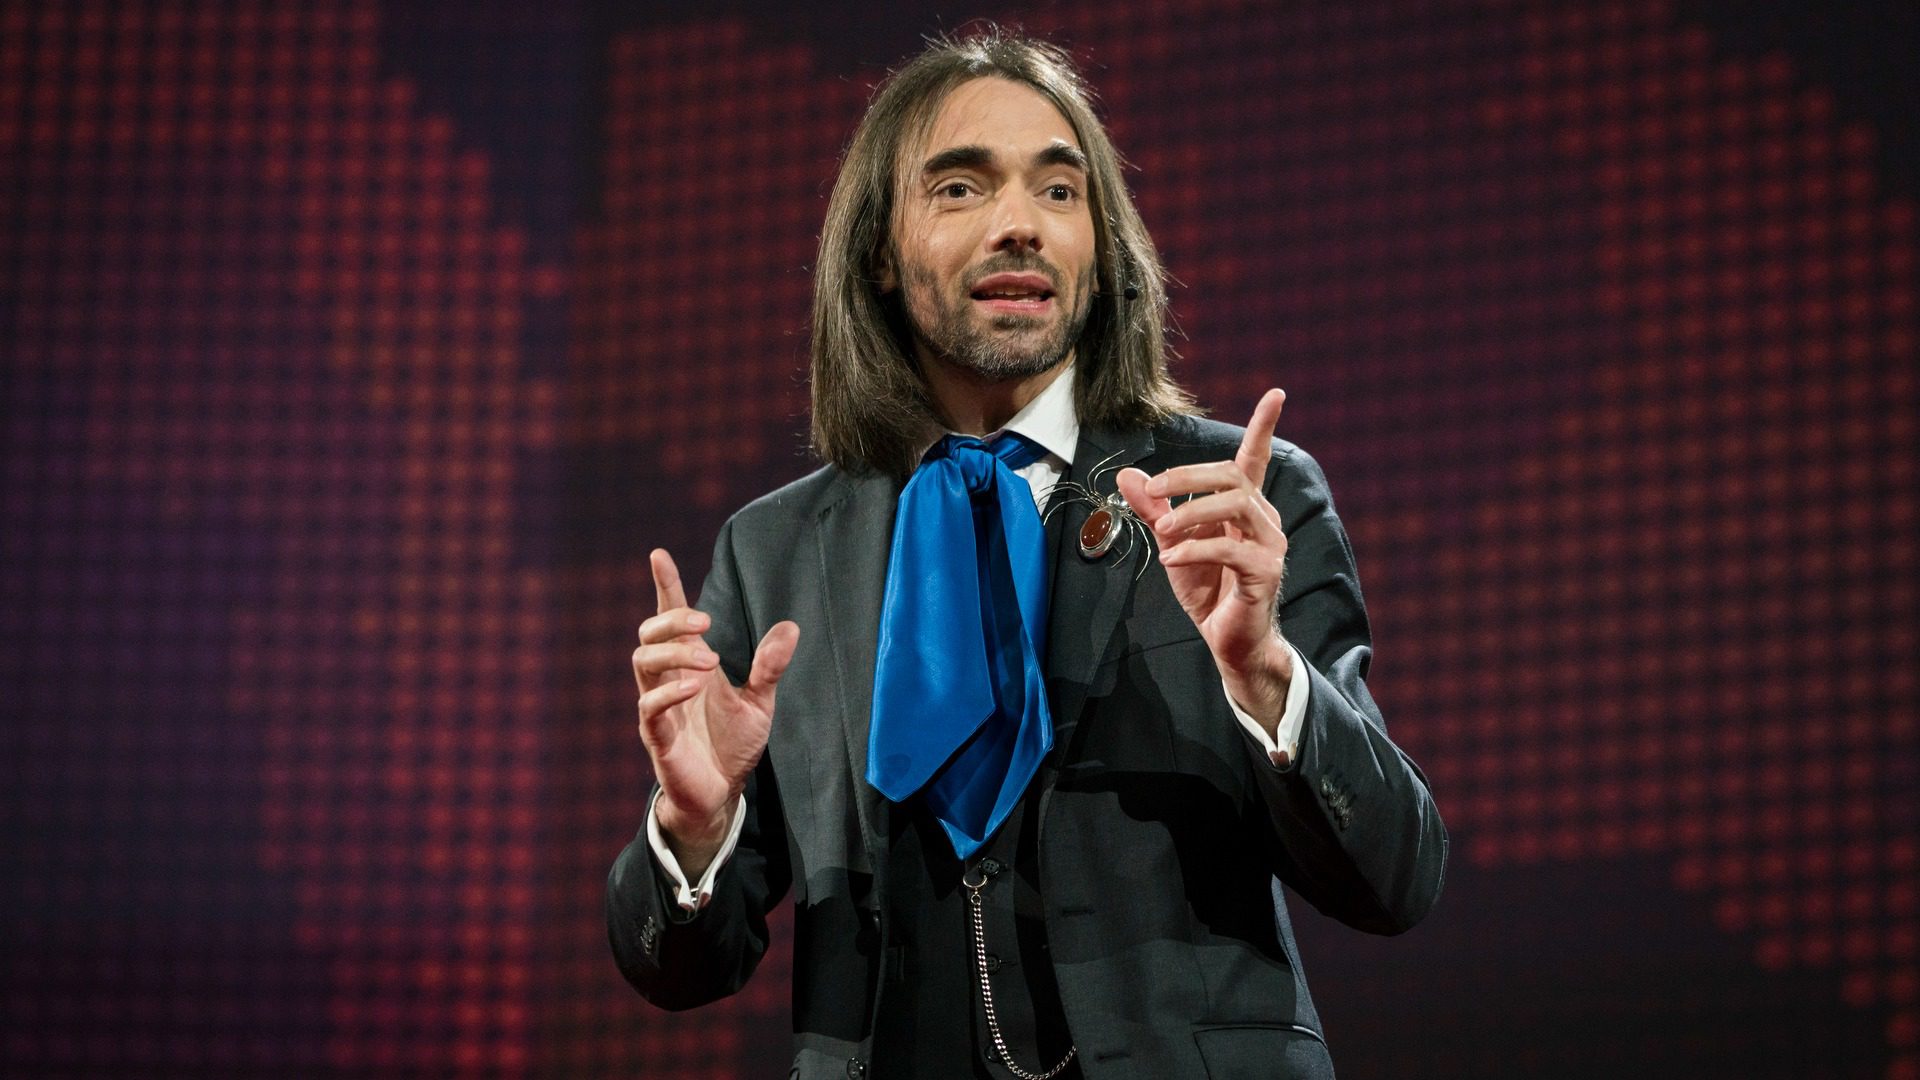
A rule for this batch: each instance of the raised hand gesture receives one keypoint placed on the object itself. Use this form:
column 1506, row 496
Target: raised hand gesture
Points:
column 704, row 734
column 1225, row 554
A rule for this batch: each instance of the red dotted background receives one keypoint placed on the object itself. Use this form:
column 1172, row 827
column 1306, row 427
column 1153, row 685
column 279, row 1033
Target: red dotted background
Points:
column 333, row 453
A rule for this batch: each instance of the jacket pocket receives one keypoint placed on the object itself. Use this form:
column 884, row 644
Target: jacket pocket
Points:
column 1263, row 1051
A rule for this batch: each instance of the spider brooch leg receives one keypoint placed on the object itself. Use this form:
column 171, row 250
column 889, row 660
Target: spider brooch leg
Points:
column 1135, row 530
column 1078, row 494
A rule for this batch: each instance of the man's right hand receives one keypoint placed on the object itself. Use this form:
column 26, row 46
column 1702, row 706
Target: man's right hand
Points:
column 704, row 734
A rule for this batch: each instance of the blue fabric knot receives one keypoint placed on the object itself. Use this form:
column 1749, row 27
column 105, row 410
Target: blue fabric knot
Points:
column 977, row 461
column 959, row 697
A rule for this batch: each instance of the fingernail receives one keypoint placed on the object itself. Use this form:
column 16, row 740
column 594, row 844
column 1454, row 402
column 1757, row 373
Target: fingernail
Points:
column 705, row 656
column 698, row 619
column 689, row 684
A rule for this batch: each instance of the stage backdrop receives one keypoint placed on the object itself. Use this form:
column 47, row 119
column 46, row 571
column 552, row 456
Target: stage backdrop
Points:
column 355, row 353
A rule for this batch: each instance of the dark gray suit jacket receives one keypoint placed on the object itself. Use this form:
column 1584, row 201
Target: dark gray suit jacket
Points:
column 1165, row 832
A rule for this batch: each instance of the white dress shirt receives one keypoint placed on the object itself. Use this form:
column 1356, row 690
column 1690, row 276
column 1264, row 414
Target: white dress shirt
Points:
column 1051, row 421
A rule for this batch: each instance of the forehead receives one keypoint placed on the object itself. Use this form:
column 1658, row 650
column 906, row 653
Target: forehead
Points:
column 1008, row 118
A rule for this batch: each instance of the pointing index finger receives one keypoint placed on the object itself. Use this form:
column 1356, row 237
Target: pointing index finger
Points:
column 1256, row 449
column 666, row 581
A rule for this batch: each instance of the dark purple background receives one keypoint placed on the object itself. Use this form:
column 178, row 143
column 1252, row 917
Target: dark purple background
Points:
column 356, row 353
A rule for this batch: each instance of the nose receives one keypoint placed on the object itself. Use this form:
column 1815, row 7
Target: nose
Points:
column 1015, row 227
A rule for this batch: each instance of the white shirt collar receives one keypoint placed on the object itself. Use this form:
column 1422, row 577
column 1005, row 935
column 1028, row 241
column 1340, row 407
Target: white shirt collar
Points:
column 1050, row 419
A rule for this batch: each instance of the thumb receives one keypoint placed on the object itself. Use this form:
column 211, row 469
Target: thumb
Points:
column 770, row 661
column 1133, row 486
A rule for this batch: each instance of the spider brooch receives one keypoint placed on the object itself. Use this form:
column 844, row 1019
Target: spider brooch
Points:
column 1109, row 518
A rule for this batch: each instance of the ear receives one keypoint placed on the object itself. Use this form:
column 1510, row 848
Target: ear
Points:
column 885, row 274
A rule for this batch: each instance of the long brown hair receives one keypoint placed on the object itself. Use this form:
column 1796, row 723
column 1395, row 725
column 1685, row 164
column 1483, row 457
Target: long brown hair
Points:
column 871, row 405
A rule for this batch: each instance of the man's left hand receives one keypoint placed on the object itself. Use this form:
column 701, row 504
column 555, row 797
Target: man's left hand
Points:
column 1225, row 554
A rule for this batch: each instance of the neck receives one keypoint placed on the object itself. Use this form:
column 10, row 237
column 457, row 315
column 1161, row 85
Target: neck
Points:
column 973, row 404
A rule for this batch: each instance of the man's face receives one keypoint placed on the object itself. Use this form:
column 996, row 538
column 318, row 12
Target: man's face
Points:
column 993, row 235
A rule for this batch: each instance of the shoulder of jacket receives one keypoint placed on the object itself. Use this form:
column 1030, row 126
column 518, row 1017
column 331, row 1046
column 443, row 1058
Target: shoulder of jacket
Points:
column 793, row 503
column 1198, row 438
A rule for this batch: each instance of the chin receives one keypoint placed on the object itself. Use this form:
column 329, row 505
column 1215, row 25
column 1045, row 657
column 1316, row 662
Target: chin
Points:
column 1006, row 368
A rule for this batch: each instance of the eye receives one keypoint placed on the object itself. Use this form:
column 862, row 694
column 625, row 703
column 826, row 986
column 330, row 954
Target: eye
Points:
column 954, row 189
column 1062, row 192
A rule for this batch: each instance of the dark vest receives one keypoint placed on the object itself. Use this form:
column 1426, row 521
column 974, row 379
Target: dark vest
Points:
column 932, row 1023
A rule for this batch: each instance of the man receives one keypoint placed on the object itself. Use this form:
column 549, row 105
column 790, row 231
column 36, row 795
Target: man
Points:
column 1035, row 781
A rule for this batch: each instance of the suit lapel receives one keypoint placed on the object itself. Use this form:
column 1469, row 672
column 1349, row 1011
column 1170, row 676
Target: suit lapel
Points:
column 855, row 537
column 1088, row 594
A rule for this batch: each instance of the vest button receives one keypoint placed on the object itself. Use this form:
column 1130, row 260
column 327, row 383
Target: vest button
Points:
column 993, row 963
column 990, row 867
column 856, row 1069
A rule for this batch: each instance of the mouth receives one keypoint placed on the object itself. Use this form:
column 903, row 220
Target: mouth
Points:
column 1014, row 294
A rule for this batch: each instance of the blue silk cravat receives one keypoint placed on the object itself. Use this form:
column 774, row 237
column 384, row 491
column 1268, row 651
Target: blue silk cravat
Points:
column 959, row 697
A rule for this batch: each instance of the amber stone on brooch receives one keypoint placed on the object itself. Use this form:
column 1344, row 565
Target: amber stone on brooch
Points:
column 1097, row 535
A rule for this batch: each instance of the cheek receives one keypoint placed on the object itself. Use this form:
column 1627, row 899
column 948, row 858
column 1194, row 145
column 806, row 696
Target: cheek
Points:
column 943, row 253
column 926, row 239
column 1079, row 247
column 926, row 294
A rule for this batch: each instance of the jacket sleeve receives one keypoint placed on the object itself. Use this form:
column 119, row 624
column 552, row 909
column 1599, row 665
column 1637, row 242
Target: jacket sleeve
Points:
column 1358, row 834
column 679, row 959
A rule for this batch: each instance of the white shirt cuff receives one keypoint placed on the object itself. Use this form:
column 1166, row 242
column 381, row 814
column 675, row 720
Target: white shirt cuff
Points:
column 1284, row 749
column 693, row 897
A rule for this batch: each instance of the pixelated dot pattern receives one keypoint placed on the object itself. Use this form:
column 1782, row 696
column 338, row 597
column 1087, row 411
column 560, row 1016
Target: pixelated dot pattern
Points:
column 262, row 297
column 694, row 296
column 696, row 288
column 1605, row 336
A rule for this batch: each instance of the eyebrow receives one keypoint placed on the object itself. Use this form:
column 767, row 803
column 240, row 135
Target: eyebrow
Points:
column 979, row 157
column 1063, row 154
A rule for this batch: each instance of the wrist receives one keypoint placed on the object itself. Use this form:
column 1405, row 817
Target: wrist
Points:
column 1260, row 686
column 692, row 831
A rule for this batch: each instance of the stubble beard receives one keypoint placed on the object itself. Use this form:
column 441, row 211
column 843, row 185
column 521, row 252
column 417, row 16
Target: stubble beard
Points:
column 1001, row 347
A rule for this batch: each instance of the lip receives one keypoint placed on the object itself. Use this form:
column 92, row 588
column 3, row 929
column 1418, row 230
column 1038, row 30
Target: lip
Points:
column 1040, row 292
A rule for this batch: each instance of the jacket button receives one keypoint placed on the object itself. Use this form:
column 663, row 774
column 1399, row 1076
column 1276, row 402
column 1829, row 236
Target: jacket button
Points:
column 991, row 867
column 993, row 963
column 856, row 1069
